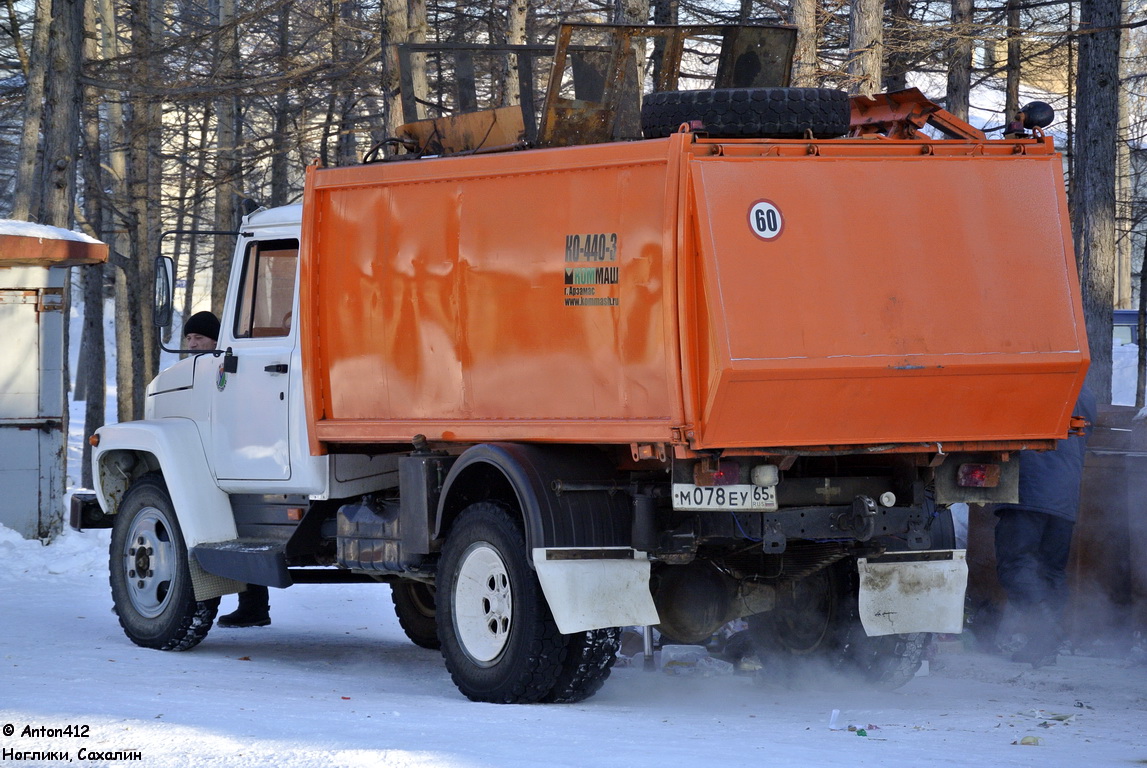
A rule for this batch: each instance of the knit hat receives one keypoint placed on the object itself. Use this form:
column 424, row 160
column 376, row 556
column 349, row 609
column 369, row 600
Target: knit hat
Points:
column 203, row 323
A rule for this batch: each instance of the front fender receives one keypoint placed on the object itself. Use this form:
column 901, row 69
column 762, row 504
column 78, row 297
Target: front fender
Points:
column 174, row 448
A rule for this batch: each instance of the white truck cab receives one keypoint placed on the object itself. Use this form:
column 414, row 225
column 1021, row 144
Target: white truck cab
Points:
column 228, row 426
column 250, row 420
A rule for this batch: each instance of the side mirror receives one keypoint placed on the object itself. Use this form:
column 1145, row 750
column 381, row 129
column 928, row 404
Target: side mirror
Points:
column 164, row 283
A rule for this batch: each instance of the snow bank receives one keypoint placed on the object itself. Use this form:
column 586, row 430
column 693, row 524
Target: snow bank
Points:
column 70, row 553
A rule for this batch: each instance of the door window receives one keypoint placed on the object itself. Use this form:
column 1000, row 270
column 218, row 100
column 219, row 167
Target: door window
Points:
column 267, row 293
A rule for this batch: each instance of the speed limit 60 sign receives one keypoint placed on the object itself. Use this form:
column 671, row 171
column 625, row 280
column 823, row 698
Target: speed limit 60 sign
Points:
column 765, row 220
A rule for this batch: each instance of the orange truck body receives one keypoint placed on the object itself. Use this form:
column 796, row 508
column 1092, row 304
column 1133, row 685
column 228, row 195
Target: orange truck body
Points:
column 910, row 296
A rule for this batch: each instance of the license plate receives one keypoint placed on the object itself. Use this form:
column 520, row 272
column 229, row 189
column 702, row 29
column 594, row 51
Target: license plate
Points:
column 702, row 497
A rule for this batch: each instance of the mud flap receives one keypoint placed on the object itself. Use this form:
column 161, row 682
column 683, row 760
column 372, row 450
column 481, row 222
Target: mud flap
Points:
column 906, row 592
column 594, row 588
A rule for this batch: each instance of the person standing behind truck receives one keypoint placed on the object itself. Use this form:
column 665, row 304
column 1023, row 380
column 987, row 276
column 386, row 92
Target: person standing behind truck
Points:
column 201, row 334
column 1033, row 538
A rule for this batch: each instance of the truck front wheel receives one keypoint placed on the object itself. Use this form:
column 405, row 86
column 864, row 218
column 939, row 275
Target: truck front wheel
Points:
column 499, row 640
column 149, row 574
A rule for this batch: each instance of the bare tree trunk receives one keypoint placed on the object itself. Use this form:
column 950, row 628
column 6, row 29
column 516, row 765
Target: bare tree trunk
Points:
column 62, row 126
column 393, row 33
column 960, row 59
column 193, row 265
column 327, row 131
column 346, row 50
column 17, row 40
column 898, row 45
column 282, row 116
column 1123, row 194
column 628, row 119
column 116, row 224
column 91, row 372
column 183, row 212
column 417, row 28
column 142, row 362
column 866, row 46
column 1012, row 89
column 25, row 200
column 664, row 12
column 633, row 11
column 1093, row 182
column 806, row 65
column 227, row 141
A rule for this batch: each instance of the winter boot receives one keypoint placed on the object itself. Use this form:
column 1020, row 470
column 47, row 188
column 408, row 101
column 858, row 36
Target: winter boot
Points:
column 254, row 609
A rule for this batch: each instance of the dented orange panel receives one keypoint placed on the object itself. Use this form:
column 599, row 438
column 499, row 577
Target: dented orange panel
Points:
column 513, row 296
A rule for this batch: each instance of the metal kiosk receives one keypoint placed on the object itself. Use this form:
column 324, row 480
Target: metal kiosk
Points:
column 32, row 388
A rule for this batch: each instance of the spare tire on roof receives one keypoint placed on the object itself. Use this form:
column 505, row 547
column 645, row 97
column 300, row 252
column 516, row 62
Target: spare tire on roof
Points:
column 778, row 113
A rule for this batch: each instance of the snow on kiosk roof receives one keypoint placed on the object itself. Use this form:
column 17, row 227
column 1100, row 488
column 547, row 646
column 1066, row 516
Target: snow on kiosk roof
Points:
column 24, row 244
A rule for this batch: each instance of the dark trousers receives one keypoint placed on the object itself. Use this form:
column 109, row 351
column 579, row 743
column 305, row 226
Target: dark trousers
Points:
column 255, row 598
column 1031, row 563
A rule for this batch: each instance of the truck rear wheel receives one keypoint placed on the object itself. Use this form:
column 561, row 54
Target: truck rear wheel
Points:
column 414, row 607
column 499, row 640
column 819, row 622
column 803, row 621
column 589, row 658
column 149, row 573
column 779, row 113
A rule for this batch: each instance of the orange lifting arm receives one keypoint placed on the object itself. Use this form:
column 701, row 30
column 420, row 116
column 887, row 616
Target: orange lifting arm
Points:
column 899, row 115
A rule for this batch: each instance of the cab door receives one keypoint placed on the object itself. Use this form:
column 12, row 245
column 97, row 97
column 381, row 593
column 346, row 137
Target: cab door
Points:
column 251, row 413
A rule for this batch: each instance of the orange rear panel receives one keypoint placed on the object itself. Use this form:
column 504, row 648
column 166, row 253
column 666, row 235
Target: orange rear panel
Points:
column 905, row 299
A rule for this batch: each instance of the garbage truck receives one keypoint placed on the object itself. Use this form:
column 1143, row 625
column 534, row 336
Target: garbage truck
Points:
column 736, row 368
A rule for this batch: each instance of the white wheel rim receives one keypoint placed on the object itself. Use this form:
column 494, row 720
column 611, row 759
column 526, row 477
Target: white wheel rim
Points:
column 149, row 563
column 483, row 603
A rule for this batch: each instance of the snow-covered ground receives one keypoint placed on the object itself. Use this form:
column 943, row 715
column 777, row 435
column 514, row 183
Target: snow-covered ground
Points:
column 334, row 682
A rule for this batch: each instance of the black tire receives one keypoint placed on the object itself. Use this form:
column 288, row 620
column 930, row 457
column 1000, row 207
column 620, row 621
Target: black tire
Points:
column 779, row 113
column 888, row 661
column 149, row 573
column 821, row 624
column 414, row 607
column 499, row 640
column 589, row 659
